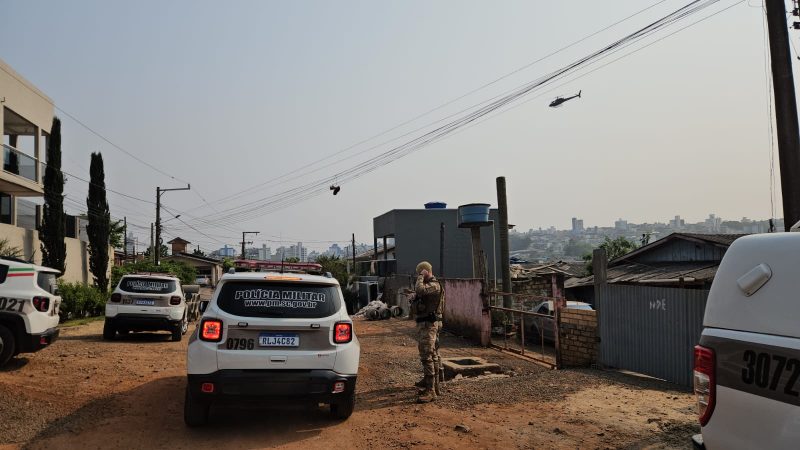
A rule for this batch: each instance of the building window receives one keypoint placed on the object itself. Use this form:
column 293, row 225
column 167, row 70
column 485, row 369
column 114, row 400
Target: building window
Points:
column 5, row 208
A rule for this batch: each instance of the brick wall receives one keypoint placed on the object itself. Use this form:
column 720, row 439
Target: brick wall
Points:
column 578, row 337
column 540, row 286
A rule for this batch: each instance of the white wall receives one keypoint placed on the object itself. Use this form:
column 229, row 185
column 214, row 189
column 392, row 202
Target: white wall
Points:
column 77, row 267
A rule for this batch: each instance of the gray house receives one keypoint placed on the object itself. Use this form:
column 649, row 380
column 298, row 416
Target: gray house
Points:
column 651, row 303
column 416, row 234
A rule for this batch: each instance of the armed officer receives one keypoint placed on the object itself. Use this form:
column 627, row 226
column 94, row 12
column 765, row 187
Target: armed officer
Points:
column 429, row 305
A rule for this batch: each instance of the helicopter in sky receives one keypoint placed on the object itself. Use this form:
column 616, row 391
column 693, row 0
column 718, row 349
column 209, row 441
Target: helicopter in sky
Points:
column 559, row 100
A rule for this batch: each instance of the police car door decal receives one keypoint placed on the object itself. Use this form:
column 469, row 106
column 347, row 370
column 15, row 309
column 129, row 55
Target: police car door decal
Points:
column 764, row 370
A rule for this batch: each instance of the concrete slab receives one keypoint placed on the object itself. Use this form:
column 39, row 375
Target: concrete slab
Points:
column 468, row 366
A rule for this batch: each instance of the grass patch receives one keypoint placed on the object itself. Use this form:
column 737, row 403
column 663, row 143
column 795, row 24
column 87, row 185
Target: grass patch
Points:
column 82, row 321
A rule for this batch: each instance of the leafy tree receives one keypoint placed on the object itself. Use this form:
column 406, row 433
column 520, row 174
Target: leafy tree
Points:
column 336, row 266
column 52, row 230
column 116, row 235
column 292, row 260
column 186, row 273
column 198, row 252
column 9, row 251
column 577, row 248
column 227, row 264
column 164, row 252
column 99, row 227
column 614, row 248
column 518, row 241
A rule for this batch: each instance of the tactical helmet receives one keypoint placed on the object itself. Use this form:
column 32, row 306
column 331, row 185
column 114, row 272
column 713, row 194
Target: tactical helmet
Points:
column 424, row 265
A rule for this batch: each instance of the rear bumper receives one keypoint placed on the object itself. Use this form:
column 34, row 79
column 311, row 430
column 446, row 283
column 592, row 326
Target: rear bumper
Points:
column 135, row 322
column 256, row 386
column 35, row 342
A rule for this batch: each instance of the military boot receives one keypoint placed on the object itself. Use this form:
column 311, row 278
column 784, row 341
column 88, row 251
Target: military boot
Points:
column 429, row 394
column 420, row 383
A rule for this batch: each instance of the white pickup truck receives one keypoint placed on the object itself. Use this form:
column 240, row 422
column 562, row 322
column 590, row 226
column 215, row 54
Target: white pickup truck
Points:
column 747, row 366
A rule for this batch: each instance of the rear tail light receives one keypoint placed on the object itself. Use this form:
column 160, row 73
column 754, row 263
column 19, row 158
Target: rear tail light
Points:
column 705, row 382
column 41, row 303
column 116, row 298
column 343, row 332
column 211, row 330
column 338, row 387
column 175, row 300
column 207, row 388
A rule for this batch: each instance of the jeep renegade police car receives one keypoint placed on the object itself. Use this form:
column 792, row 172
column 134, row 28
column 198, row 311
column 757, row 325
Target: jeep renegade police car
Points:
column 146, row 302
column 747, row 366
column 28, row 308
column 268, row 337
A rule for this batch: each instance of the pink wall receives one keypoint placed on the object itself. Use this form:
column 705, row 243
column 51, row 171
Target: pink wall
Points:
column 465, row 310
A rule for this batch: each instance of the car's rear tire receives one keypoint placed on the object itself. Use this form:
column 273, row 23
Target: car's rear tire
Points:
column 343, row 408
column 195, row 414
column 7, row 345
column 109, row 331
column 177, row 332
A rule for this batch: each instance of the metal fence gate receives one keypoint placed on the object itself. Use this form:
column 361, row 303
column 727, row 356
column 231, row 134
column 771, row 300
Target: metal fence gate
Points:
column 650, row 330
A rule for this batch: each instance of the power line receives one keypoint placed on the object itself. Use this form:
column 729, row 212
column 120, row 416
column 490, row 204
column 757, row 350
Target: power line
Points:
column 294, row 195
column 424, row 114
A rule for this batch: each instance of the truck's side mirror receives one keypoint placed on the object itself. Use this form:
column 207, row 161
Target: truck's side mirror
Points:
column 203, row 305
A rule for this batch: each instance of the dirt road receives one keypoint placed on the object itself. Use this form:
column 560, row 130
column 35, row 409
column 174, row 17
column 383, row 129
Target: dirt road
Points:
column 86, row 393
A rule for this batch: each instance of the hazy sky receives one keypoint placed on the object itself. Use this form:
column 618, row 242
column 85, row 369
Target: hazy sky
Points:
column 227, row 95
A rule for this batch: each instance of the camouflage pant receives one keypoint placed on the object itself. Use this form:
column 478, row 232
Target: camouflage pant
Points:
column 428, row 341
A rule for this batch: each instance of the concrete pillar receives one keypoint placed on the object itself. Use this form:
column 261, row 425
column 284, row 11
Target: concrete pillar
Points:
column 38, row 168
column 13, row 210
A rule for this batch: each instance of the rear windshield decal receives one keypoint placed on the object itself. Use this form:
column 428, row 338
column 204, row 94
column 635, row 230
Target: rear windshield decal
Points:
column 140, row 285
column 260, row 299
column 267, row 298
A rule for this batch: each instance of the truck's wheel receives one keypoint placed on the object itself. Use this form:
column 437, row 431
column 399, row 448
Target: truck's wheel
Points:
column 343, row 408
column 108, row 331
column 195, row 414
column 7, row 345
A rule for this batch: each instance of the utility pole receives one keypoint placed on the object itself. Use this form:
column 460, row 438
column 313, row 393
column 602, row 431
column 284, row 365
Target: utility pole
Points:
column 152, row 248
column 502, row 211
column 125, row 238
column 785, row 110
column 159, row 191
column 354, row 254
column 244, row 233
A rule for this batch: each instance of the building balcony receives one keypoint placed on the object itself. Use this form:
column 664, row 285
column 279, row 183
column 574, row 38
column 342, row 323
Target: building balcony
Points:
column 20, row 175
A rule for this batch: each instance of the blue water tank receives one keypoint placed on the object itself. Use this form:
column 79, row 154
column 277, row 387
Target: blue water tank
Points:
column 435, row 205
column 473, row 213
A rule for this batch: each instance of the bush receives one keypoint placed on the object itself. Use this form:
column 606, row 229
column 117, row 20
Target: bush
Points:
column 80, row 300
column 186, row 273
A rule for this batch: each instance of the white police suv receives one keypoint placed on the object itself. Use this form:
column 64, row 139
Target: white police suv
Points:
column 146, row 302
column 28, row 308
column 747, row 366
column 266, row 337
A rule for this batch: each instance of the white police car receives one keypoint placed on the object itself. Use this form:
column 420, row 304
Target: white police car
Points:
column 267, row 337
column 146, row 302
column 28, row 308
column 747, row 366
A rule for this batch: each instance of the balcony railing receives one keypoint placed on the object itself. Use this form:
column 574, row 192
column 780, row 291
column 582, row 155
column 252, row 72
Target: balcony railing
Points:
column 19, row 163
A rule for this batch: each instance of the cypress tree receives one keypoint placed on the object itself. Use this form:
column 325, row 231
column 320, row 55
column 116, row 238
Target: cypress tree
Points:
column 99, row 226
column 52, row 229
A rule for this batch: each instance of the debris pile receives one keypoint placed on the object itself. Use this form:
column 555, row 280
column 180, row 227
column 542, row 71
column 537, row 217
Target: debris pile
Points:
column 377, row 310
